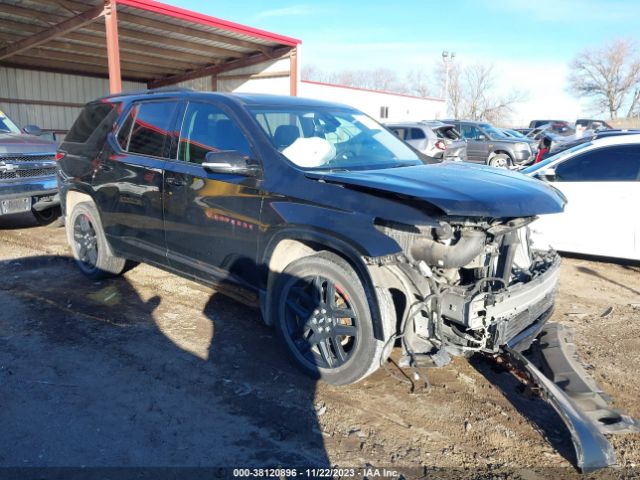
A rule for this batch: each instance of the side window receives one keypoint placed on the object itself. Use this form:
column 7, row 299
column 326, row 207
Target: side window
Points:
column 469, row 131
column 400, row 132
column 417, row 134
column 88, row 122
column 146, row 130
column 206, row 128
column 611, row 164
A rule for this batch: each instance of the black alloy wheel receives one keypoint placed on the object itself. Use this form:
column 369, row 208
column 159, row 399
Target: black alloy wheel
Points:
column 86, row 240
column 321, row 322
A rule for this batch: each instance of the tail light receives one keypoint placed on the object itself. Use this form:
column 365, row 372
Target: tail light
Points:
column 59, row 156
column 441, row 145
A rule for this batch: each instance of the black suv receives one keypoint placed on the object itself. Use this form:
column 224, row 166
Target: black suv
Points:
column 337, row 230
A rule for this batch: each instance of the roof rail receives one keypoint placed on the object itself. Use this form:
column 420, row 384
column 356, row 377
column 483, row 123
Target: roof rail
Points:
column 167, row 90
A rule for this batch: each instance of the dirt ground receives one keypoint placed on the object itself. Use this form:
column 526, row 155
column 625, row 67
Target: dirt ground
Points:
column 155, row 370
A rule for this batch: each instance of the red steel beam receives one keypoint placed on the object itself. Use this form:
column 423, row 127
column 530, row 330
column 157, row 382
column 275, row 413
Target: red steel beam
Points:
column 113, row 47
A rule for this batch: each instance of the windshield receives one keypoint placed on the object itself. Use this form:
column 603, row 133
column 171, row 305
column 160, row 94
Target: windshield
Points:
column 6, row 125
column 333, row 138
column 492, row 131
column 553, row 158
column 515, row 133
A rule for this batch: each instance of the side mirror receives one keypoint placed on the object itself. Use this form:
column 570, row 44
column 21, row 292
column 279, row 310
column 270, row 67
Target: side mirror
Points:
column 482, row 137
column 32, row 130
column 229, row 161
column 548, row 174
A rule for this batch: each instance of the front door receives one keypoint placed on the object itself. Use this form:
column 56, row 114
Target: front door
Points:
column 212, row 220
column 476, row 148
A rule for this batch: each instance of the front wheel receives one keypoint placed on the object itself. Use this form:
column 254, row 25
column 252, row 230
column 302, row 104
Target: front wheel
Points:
column 89, row 244
column 501, row 160
column 50, row 217
column 324, row 319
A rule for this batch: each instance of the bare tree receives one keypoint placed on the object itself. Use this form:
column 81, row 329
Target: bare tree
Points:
column 417, row 82
column 610, row 76
column 473, row 93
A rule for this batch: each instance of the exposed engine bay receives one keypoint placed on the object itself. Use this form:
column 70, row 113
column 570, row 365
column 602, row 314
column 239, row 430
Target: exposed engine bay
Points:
column 471, row 285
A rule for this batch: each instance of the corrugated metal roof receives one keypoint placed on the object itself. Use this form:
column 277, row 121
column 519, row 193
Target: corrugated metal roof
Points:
column 151, row 35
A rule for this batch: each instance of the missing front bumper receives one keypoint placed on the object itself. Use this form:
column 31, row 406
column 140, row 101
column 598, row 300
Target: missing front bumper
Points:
column 568, row 388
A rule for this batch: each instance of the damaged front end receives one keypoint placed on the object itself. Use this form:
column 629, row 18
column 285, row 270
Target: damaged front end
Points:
column 471, row 286
column 475, row 285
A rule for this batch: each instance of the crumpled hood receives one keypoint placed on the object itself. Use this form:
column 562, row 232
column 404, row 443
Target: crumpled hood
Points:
column 11, row 143
column 459, row 188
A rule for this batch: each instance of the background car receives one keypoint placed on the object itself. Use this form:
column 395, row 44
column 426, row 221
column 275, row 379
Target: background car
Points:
column 510, row 133
column 487, row 145
column 27, row 172
column 590, row 124
column 601, row 180
column 539, row 123
column 433, row 138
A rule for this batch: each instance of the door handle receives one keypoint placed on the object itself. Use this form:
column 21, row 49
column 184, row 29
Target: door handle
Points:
column 176, row 182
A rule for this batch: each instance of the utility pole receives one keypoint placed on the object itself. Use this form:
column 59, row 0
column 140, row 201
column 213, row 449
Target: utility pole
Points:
column 447, row 59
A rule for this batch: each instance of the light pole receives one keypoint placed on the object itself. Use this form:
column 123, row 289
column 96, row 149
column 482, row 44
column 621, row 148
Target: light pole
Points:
column 447, row 59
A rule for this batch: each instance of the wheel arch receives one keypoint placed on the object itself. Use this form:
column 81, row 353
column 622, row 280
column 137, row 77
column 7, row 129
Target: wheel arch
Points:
column 288, row 246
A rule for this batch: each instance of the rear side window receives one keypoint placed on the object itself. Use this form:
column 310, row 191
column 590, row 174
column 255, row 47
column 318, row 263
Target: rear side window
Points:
column 91, row 117
column 611, row 164
column 417, row 134
column 206, row 128
column 146, row 130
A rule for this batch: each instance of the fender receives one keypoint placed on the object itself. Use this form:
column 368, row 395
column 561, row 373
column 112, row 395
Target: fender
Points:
column 333, row 242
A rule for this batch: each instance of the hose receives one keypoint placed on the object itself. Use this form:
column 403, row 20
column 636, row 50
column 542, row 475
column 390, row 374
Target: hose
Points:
column 469, row 246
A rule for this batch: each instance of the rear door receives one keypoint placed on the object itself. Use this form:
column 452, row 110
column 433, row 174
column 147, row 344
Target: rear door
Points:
column 603, row 191
column 212, row 220
column 129, row 184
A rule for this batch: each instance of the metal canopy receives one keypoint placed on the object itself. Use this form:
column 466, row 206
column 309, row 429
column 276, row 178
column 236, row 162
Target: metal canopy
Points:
column 140, row 40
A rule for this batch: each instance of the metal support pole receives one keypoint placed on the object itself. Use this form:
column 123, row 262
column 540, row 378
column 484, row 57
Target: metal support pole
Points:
column 293, row 74
column 113, row 47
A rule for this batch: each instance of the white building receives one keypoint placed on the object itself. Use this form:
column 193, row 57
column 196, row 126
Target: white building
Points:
column 383, row 106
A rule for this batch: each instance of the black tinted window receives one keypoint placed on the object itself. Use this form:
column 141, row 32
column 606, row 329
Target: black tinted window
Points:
column 469, row 131
column 88, row 122
column 149, row 124
column 206, row 128
column 417, row 134
column 400, row 132
column 612, row 164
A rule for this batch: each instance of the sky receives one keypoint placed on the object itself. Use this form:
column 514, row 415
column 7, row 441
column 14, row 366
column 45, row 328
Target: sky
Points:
column 529, row 42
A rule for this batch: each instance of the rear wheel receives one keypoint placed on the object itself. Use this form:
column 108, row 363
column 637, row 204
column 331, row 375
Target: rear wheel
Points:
column 324, row 319
column 89, row 244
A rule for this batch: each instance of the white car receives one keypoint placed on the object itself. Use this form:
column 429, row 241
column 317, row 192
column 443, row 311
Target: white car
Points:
column 601, row 180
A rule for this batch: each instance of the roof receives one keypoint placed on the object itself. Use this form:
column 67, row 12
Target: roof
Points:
column 248, row 99
column 157, row 41
column 386, row 92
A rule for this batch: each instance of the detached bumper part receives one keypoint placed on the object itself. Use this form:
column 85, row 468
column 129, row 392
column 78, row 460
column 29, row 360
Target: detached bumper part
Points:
column 582, row 406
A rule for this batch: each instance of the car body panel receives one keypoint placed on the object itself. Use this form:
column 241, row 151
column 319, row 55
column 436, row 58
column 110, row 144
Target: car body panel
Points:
column 459, row 189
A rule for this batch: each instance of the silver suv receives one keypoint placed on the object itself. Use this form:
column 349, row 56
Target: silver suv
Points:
column 487, row 145
column 433, row 138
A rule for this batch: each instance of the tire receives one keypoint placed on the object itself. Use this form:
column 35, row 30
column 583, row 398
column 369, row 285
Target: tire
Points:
column 300, row 318
column 501, row 160
column 50, row 217
column 89, row 244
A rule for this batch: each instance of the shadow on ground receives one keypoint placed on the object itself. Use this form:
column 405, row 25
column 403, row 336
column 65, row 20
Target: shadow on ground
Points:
column 88, row 377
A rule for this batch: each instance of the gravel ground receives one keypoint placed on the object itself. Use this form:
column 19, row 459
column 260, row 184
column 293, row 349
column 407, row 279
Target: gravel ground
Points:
column 154, row 370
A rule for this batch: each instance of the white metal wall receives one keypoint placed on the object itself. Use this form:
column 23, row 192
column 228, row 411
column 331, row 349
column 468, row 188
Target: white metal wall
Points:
column 399, row 107
column 267, row 77
column 54, row 87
